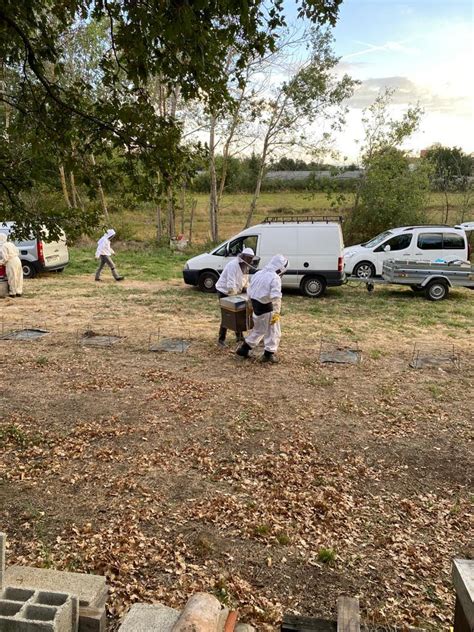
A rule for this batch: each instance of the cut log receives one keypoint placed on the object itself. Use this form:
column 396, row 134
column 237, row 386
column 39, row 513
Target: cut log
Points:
column 200, row 614
column 348, row 618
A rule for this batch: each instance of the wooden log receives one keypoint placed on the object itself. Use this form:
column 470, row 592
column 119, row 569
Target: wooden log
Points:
column 200, row 614
column 348, row 617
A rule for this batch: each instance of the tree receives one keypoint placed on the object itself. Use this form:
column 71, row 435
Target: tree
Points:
column 452, row 170
column 184, row 44
column 391, row 192
column 312, row 93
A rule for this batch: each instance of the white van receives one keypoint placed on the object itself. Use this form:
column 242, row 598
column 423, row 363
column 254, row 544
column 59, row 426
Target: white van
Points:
column 426, row 243
column 37, row 255
column 314, row 248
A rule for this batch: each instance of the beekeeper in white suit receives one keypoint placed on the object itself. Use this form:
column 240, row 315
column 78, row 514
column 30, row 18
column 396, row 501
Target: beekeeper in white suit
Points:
column 265, row 293
column 234, row 280
column 10, row 258
column 104, row 253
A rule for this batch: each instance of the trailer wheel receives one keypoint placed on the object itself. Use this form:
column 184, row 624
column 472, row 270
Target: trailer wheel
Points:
column 436, row 290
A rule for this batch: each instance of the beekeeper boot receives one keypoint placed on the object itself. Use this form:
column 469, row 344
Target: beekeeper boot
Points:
column 221, row 340
column 269, row 357
column 243, row 350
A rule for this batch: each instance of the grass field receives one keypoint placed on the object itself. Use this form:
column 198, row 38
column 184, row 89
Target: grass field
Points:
column 140, row 224
column 276, row 488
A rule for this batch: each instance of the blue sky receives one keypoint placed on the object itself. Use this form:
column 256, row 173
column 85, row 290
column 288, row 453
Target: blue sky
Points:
column 422, row 48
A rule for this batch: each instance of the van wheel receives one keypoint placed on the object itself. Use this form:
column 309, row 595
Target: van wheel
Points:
column 313, row 287
column 364, row 270
column 29, row 271
column 207, row 282
column 436, row 290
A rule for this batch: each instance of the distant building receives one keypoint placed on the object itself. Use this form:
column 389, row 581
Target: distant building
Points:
column 303, row 175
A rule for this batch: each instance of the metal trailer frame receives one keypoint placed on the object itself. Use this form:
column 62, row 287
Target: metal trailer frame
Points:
column 433, row 279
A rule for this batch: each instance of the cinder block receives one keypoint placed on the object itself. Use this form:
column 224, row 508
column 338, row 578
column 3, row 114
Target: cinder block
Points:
column 30, row 610
column 91, row 590
column 92, row 619
column 146, row 617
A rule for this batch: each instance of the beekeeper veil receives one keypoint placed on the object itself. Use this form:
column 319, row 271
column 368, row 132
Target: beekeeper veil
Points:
column 278, row 264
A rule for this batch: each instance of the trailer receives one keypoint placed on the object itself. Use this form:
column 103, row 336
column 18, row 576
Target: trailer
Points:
column 433, row 279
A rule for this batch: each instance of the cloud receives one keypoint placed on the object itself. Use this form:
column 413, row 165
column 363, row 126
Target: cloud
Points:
column 406, row 91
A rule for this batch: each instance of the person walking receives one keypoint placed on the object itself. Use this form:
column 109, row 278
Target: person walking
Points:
column 10, row 258
column 234, row 280
column 265, row 293
column 104, row 252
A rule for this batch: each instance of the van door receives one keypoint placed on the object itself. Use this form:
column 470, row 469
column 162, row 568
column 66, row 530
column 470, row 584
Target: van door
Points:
column 397, row 247
column 55, row 253
column 429, row 246
column 281, row 239
column 231, row 249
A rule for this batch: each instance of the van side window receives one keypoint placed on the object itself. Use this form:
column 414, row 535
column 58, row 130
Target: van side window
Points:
column 237, row 245
column 451, row 241
column 430, row 241
column 399, row 242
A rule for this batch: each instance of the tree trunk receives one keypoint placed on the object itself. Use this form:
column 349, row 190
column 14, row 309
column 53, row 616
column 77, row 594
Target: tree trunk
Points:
column 159, row 223
column 191, row 219
column 73, row 189
column 213, row 203
column 183, row 206
column 200, row 614
column 171, row 213
column 101, row 192
column 258, row 185
column 446, row 217
column 64, row 186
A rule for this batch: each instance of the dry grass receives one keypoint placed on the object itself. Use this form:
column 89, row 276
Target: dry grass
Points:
column 172, row 473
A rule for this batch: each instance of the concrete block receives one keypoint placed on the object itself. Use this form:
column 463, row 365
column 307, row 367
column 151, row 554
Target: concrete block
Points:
column 91, row 590
column 146, row 617
column 92, row 619
column 29, row 610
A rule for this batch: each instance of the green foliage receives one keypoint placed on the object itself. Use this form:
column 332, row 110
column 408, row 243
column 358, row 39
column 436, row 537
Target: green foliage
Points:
column 451, row 167
column 391, row 194
column 83, row 83
column 326, row 556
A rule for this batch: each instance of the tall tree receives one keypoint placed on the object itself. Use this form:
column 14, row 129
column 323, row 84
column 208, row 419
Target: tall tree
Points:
column 184, row 43
column 312, row 93
column 452, row 170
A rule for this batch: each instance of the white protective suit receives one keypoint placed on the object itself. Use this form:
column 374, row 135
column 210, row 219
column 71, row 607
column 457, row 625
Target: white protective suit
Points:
column 233, row 280
column 265, row 287
column 10, row 257
column 103, row 245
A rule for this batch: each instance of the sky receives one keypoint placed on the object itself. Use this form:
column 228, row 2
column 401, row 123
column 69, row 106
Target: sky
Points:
column 422, row 48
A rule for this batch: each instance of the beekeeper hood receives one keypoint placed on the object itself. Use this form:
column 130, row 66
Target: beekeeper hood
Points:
column 3, row 238
column 247, row 255
column 277, row 264
column 110, row 233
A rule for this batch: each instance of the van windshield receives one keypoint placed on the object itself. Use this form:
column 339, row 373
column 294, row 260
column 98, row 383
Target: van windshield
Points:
column 377, row 240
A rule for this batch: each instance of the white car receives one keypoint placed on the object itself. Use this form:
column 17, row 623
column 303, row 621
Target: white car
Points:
column 423, row 243
column 37, row 255
column 314, row 248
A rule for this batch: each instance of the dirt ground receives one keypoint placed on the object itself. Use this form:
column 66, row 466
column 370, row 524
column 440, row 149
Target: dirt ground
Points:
column 277, row 488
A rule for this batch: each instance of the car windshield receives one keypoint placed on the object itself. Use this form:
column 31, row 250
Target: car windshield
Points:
column 377, row 240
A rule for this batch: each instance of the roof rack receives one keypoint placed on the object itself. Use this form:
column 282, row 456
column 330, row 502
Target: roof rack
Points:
column 298, row 219
column 430, row 226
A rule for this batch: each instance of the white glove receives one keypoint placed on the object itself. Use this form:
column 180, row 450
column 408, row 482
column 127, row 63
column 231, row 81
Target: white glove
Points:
column 276, row 302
